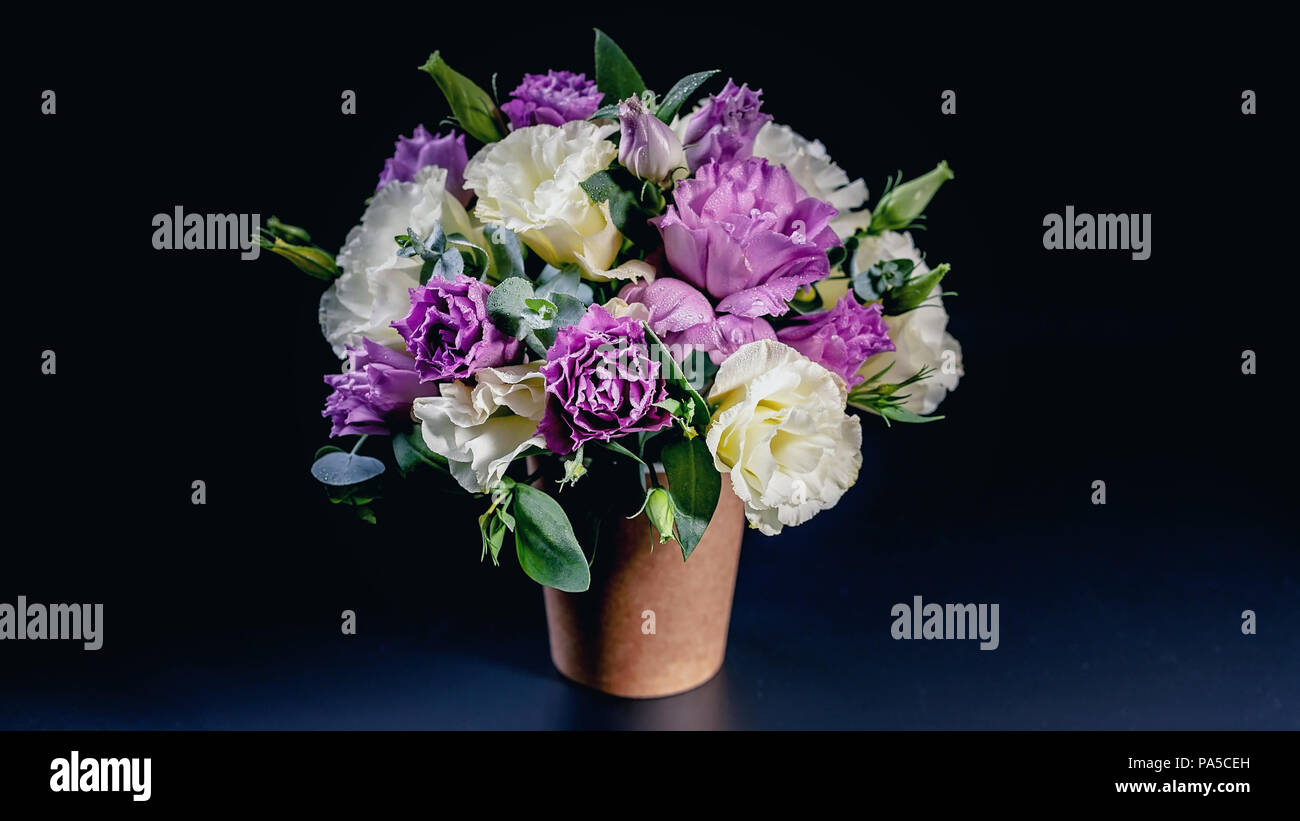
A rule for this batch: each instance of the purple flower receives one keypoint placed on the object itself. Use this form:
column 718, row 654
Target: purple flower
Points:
column 647, row 146
column 734, row 331
column 724, row 127
column 679, row 314
column 421, row 149
column 376, row 390
column 553, row 98
column 842, row 338
column 448, row 331
column 746, row 233
column 603, row 382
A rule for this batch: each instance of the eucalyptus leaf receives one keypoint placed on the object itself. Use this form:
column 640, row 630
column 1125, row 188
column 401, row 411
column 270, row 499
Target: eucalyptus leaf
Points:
column 471, row 105
column 554, row 280
column 449, row 266
column 339, row 469
column 615, row 74
column 478, row 258
column 694, row 485
column 544, row 541
column 507, row 307
column 507, row 253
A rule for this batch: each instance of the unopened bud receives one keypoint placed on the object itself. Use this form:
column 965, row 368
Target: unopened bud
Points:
column 647, row 146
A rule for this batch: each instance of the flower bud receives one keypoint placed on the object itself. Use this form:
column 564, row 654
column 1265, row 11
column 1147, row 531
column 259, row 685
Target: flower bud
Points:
column 659, row 510
column 287, row 232
column 307, row 258
column 904, row 203
column 648, row 147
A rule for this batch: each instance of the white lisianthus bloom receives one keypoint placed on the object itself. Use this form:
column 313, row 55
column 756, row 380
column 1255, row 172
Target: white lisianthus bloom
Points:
column 920, row 336
column 530, row 182
column 463, row 424
column 818, row 175
column 374, row 289
column 781, row 434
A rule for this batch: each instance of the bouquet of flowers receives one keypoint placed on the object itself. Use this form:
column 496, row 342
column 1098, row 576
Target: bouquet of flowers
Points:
column 613, row 278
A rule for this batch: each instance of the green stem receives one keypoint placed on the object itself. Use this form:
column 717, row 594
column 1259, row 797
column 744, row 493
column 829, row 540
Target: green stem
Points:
column 359, row 443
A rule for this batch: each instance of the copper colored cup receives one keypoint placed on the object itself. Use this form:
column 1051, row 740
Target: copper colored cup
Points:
column 602, row 637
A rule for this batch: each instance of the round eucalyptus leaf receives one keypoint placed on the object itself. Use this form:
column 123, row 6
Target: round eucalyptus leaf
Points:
column 339, row 469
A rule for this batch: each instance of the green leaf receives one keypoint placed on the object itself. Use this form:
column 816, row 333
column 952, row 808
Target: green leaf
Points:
column 901, row 414
column 471, row 105
column 327, row 449
column 694, row 485
column 622, row 191
column 620, row 450
column 544, row 541
column 544, row 308
column 615, row 74
column 679, row 93
column 600, row 186
column 569, row 311
column 605, row 112
column 412, row 454
column 678, row 382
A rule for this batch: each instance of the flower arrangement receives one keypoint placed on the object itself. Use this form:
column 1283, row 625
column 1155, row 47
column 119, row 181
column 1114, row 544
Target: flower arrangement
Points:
column 613, row 279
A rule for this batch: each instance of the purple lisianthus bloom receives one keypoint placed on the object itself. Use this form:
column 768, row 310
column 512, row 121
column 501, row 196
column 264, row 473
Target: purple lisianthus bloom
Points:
column 421, row 149
column 734, row 331
column 746, row 233
column 553, row 98
column 842, row 338
column 679, row 314
column 604, row 383
column 724, row 128
column 449, row 333
column 375, row 391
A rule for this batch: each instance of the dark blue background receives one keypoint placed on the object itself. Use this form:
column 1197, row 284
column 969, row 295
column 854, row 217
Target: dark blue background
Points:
column 1079, row 366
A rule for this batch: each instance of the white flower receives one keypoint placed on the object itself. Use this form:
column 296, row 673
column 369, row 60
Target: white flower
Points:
column 818, row 175
column 920, row 336
column 530, row 182
column 619, row 307
column 374, row 289
column 782, row 435
column 463, row 424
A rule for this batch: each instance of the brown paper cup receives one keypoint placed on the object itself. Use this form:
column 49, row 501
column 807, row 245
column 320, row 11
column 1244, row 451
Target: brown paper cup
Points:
column 603, row 637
